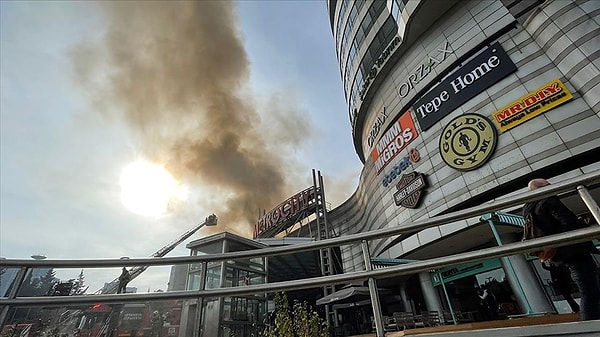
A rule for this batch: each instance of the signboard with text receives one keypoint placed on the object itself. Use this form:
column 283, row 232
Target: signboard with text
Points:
column 283, row 215
column 483, row 71
column 393, row 141
column 542, row 99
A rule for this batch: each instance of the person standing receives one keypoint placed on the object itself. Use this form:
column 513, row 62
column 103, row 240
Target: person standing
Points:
column 124, row 278
column 553, row 217
column 561, row 281
column 157, row 320
column 488, row 306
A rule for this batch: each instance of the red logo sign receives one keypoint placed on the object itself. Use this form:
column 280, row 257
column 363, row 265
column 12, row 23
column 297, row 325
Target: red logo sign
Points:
column 396, row 139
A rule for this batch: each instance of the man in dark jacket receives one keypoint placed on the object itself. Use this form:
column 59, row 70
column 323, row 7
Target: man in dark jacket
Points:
column 124, row 278
column 554, row 217
column 561, row 282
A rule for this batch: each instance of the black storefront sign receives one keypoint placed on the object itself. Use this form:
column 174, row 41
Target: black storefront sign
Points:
column 480, row 73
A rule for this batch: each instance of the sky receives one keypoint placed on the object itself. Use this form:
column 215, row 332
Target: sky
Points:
column 232, row 102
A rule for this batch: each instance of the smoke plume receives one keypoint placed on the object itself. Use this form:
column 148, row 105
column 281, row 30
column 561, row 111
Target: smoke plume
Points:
column 177, row 74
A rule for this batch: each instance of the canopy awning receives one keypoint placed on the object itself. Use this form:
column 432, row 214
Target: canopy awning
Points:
column 350, row 294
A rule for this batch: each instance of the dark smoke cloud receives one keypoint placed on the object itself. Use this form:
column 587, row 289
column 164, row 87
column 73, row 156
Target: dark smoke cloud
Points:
column 177, row 74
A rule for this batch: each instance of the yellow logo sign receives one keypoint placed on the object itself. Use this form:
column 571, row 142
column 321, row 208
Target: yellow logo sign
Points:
column 468, row 142
column 544, row 98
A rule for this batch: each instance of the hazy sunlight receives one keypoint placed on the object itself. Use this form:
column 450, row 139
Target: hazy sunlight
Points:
column 146, row 188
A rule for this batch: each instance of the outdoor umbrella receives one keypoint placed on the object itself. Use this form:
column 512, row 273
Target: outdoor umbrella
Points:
column 350, row 294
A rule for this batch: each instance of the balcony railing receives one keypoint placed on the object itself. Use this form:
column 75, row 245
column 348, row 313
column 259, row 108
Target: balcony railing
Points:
column 579, row 184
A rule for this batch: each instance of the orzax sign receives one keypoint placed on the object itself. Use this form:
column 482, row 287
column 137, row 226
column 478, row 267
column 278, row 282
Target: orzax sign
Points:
column 377, row 126
column 480, row 73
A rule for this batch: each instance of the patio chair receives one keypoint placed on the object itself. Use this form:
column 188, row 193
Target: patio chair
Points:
column 431, row 318
column 459, row 315
column 404, row 320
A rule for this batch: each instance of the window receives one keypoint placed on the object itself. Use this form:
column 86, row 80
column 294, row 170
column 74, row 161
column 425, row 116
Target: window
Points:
column 383, row 38
column 379, row 43
column 365, row 26
column 397, row 8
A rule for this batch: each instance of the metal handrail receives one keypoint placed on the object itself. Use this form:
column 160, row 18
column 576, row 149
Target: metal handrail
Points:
column 574, row 236
column 579, row 235
column 590, row 179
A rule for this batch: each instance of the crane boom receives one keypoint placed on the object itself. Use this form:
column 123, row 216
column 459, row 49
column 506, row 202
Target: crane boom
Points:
column 134, row 272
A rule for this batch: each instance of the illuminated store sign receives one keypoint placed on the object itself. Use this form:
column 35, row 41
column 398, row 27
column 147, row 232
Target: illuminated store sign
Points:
column 285, row 211
column 544, row 98
column 480, row 73
column 385, row 55
column 377, row 127
column 468, row 141
column 413, row 157
column 394, row 140
column 423, row 70
column 410, row 188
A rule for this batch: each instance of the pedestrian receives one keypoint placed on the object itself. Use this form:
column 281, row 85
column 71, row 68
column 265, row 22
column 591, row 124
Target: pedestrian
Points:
column 124, row 278
column 157, row 320
column 553, row 217
column 488, row 306
column 561, row 281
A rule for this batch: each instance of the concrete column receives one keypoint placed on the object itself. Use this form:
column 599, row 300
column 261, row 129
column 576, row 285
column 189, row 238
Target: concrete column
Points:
column 432, row 300
column 523, row 281
column 405, row 301
column 525, row 285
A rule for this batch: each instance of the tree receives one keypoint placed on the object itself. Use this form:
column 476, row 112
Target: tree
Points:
column 29, row 285
column 79, row 287
column 47, row 282
column 299, row 321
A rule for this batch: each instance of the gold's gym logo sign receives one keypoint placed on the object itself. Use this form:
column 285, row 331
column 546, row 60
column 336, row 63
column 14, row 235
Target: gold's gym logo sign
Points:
column 468, row 142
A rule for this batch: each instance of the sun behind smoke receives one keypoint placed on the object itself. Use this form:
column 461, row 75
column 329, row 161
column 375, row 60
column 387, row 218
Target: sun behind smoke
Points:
column 146, row 188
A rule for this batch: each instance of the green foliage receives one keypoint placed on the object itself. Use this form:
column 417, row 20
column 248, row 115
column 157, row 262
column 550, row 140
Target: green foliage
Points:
column 47, row 282
column 298, row 321
column 12, row 332
column 79, row 287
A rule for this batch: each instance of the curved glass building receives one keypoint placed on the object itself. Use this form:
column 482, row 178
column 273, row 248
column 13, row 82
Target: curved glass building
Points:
column 453, row 104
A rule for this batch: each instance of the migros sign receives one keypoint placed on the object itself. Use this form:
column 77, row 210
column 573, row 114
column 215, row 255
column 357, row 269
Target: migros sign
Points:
column 393, row 141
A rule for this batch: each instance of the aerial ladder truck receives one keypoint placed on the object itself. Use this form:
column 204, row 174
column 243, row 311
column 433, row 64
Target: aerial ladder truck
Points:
column 111, row 288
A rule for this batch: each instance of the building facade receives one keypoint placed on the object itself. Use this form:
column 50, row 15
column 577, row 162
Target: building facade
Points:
column 224, row 316
column 453, row 104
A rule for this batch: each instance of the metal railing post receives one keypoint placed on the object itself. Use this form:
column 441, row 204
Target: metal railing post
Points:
column 377, row 315
column 200, row 301
column 452, row 314
column 14, row 290
column 589, row 202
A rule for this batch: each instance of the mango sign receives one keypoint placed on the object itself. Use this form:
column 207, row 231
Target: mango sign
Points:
column 544, row 98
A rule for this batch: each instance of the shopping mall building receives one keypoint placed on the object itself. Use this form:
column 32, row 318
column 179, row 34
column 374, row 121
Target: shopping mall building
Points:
column 453, row 104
